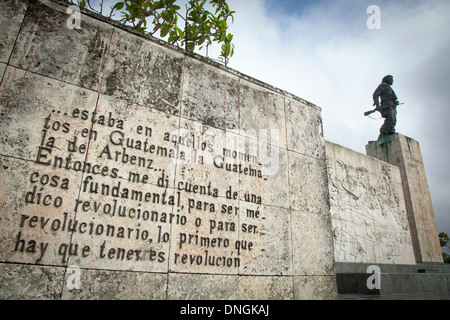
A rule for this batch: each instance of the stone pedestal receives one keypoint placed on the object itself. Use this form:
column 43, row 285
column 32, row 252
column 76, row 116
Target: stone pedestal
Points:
column 404, row 153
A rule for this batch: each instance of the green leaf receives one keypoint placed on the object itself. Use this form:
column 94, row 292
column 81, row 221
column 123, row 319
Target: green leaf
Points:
column 164, row 31
column 191, row 46
column 136, row 12
column 117, row 6
column 180, row 32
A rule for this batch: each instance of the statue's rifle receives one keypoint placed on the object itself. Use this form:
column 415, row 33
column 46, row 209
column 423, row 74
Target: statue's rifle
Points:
column 367, row 113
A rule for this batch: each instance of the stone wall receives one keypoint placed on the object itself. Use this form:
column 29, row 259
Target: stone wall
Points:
column 404, row 152
column 368, row 211
column 132, row 170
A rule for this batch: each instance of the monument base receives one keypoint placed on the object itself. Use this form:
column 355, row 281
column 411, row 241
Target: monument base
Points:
column 428, row 275
column 394, row 279
column 405, row 153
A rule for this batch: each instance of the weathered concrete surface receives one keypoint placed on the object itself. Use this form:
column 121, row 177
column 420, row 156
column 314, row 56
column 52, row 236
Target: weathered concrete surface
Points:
column 13, row 12
column 405, row 153
column 31, row 282
column 132, row 170
column 219, row 107
column 368, row 211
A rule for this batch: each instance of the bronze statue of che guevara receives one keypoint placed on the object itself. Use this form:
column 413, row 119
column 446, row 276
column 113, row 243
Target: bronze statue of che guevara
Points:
column 388, row 106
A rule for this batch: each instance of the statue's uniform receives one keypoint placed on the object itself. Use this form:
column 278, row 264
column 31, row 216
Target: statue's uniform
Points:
column 388, row 108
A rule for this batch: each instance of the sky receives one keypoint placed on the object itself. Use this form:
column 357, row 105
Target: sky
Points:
column 324, row 52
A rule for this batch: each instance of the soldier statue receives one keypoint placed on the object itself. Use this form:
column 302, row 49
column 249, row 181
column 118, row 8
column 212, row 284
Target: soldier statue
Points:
column 388, row 107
